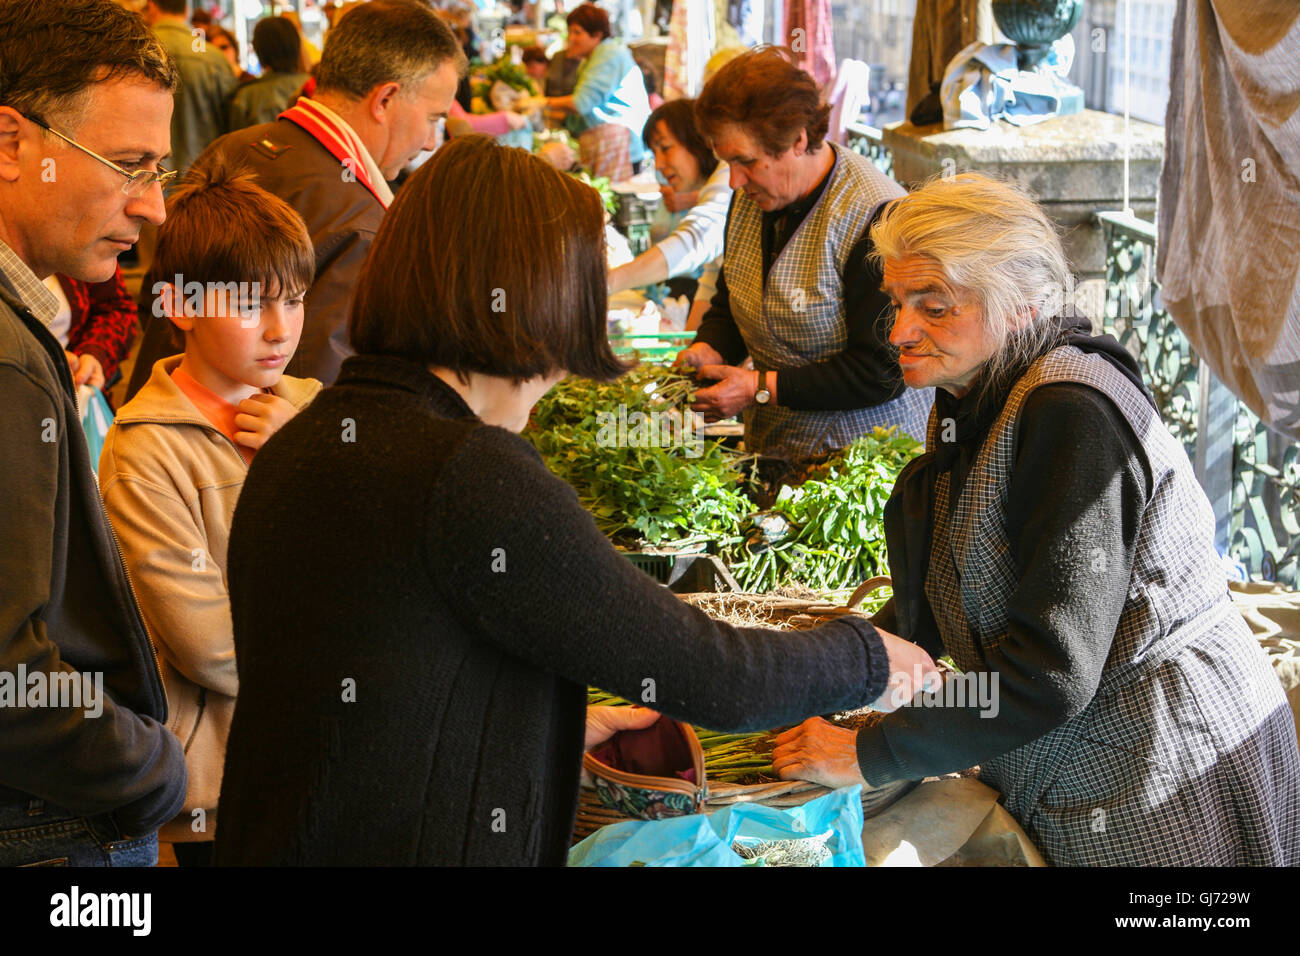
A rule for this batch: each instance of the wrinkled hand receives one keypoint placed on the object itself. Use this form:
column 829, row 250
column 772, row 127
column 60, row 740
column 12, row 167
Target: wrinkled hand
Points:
column 819, row 751
column 85, row 369
column 261, row 416
column 697, row 356
column 516, row 120
column 911, row 670
column 734, row 392
column 605, row 722
column 678, row 202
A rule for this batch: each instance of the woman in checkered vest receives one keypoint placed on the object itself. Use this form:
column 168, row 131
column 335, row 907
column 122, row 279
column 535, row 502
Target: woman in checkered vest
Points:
column 1053, row 540
column 796, row 293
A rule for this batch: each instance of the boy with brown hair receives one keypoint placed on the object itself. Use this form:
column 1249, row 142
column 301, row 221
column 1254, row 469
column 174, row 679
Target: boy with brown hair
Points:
column 237, row 260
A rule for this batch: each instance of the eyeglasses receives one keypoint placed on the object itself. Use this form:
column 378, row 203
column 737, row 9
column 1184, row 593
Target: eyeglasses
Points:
column 136, row 182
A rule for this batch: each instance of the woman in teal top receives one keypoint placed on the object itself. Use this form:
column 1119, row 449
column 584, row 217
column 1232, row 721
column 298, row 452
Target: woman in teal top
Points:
column 609, row 107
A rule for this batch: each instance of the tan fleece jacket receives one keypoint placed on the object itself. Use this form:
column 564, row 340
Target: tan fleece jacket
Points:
column 170, row 482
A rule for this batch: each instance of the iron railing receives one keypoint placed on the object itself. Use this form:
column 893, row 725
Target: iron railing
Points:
column 867, row 141
column 1250, row 473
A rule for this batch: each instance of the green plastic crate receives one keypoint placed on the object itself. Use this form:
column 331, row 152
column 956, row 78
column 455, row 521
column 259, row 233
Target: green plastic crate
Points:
column 685, row 573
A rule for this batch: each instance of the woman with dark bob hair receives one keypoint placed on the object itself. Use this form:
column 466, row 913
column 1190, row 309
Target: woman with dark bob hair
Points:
column 419, row 605
column 689, row 223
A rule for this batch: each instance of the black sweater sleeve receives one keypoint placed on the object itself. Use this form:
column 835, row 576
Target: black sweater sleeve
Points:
column 1077, row 491
column 865, row 373
column 524, row 566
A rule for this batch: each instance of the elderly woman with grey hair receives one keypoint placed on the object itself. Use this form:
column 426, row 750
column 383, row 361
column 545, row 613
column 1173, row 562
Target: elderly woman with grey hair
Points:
column 1055, row 543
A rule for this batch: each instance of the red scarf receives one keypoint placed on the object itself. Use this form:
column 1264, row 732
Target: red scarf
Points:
column 343, row 144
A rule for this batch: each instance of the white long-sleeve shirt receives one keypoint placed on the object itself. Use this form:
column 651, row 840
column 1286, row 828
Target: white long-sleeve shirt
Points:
column 696, row 239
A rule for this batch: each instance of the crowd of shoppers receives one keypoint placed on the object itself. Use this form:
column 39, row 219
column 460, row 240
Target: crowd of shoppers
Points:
column 307, row 597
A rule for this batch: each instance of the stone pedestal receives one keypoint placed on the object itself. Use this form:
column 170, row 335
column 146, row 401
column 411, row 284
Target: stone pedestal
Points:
column 1074, row 165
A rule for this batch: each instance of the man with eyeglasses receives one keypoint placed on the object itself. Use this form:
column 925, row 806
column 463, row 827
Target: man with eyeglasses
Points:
column 88, row 769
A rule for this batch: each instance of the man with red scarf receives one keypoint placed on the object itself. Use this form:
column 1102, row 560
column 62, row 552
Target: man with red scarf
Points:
column 387, row 76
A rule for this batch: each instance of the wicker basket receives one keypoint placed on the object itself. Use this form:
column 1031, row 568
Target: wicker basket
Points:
column 760, row 610
column 592, row 814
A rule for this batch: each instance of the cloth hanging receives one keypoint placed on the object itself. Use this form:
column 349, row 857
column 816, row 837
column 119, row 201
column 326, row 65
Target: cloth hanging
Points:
column 940, row 29
column 984, row 83
column 852, row 91
column 749, row 21
column 808, row 35
column 690, row 44
column 1228, row 257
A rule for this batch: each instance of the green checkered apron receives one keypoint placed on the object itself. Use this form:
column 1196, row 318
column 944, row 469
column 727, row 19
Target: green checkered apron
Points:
column 797, row 317
column 1187, row 753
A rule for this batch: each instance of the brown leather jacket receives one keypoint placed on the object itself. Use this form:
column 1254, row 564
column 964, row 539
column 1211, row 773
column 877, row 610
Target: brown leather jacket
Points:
column 342, row 217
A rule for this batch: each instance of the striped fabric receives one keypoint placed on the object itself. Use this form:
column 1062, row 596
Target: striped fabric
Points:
column 690, row 44
column 808, row 35
column 332, row 132
column 604, row 150
column 797, row 317
column 1187, row 753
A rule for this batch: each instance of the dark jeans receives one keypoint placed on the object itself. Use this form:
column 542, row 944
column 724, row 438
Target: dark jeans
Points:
column 36, row 833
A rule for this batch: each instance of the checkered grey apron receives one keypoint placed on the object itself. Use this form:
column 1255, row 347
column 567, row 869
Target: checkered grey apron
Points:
column 797, row 318
column 1187, row 753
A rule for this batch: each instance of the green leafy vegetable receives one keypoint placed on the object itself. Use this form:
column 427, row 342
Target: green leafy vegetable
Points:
column 608, row 197
column 664, row 485
column 511, row 74
column 836, row 536
column 660, row 485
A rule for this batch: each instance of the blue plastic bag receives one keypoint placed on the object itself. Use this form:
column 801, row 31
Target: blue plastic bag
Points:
column 833, row 821
column 96, row 417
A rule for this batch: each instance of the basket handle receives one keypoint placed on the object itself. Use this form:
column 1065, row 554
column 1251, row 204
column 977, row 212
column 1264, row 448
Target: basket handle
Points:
column 866, row 587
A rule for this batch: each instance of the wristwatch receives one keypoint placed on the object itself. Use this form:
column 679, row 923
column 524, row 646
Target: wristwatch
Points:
column 762, row 396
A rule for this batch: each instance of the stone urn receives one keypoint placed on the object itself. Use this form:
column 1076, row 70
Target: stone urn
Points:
column 1034, row 25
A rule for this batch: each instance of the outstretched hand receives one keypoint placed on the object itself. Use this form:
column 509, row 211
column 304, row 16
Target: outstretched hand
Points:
column 818, row 751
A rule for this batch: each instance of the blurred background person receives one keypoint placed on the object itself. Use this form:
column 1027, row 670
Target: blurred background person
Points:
column 96, row 325
column 278, row 46
column 225, row 43
column 201, row 19
column 310, row 52
column 556, row 75
column 206, row 82
column 651, row 84
column 608, row 107
column 690, row 223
